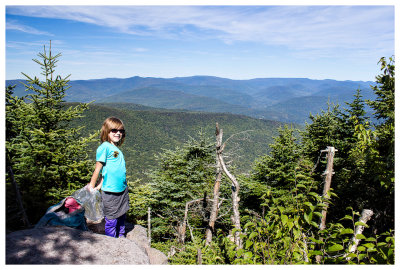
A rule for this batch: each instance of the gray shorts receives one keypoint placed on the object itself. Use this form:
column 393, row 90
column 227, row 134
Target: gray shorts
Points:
column 115, row 204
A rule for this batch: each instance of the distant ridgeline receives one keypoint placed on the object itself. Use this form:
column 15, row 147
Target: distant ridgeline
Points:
column 280, row 99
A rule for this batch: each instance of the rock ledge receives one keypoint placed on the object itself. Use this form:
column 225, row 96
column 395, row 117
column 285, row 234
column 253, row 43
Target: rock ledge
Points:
column 64, row 245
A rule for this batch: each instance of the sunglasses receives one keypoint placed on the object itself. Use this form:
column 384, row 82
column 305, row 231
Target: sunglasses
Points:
column 114, row 130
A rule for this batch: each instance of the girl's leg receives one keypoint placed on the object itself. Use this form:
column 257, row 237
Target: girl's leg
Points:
column 121, row 226
column 110, row 227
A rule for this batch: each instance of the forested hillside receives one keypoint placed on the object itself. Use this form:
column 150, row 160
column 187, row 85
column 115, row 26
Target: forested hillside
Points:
column 151, row 130
column 321, row 195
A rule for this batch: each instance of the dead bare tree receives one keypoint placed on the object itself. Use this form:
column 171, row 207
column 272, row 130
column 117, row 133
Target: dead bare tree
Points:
column 328, row 179
column 219, row 169
column 19, row 199
column 366, row 215
column 215, row 203
column 149, row 225
column 327, row 185
column 199, row 257
column 235, row 186
column 182, row 229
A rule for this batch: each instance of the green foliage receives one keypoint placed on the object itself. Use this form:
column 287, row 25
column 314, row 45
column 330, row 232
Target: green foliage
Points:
column 185, row 174
column 48, row 157
column 383, row 107
column 295, row 239
column 364, row 162
column 284, row 170
column 277, row 169
column 337, row 239
column 324, row 130
column 140, row 199
column 288, row 232
column 291, row 212
column 187, row 254
column 150, row 130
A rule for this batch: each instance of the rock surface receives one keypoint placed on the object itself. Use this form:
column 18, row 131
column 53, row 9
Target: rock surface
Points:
column 135, row 233
column 64, row 245
column 138, row 235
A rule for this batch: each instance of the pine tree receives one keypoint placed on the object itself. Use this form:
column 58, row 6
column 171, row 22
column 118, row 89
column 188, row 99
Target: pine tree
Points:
column 48, row 157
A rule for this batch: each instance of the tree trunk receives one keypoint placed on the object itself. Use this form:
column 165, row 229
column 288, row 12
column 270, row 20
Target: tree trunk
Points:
column 182, row 227
column 366, row 215
column 327, row 185
column 19, row 199
column 149, row 225
column 199, row 257
column 214, row 208
column 328, row 179
column 235, row 188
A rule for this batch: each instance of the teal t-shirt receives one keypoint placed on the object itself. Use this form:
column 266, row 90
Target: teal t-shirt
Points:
column 114, row 171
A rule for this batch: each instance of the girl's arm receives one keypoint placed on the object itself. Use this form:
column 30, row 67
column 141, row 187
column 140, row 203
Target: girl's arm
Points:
column 96, row 173
column 100, row 185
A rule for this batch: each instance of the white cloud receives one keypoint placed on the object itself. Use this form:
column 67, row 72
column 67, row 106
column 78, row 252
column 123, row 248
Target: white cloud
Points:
column 13, row 25
column 300, row 28
column 140, row 50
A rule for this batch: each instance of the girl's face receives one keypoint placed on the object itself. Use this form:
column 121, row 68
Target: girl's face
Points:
column 115, row 135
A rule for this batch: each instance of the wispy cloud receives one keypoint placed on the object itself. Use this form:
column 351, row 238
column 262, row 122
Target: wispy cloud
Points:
column 318, row 30
column 13, row 25
column 297, row 26
column 23, row 45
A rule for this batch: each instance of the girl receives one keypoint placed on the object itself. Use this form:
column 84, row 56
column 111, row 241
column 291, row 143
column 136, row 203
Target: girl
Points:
column 110, row 164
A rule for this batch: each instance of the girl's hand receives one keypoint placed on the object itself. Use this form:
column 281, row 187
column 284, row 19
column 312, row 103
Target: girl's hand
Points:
column 89, row 187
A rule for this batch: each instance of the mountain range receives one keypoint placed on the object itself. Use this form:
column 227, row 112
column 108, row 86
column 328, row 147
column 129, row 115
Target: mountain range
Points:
column 280, row 99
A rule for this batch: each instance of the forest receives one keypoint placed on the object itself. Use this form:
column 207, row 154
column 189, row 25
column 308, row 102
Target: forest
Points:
column 153, row 130
column 323, row 194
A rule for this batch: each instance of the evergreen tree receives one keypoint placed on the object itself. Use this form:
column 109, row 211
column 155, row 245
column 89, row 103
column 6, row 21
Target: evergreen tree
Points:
column 47, row 156
column 324, row 130
column 378, row 149
column 364, row 163
column 348, row 179
column 277, row 168
column 287, row 231
column 286, row 171
column 383, row 107
column 185, row 174
column 356, row 109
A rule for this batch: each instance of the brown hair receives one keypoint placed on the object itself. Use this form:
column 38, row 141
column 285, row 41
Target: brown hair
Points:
column 108, row 124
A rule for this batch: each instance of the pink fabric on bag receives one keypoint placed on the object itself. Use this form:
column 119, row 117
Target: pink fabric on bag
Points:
column 71, row 204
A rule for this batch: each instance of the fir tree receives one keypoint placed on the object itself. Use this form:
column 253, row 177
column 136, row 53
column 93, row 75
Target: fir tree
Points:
column 379, row 149
column 383, row 107
column 48, row 157
column 277, row 168
column 356, row 109
column 286, row 170
column 185, row 174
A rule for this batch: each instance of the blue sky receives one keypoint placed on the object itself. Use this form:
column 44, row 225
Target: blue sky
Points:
column 237, row 42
